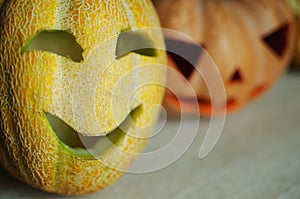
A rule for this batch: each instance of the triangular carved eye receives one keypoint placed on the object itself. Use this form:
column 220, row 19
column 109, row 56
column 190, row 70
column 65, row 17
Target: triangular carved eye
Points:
column 278, row 40
column 185, row 55
column 236, row 77
column 56, row 41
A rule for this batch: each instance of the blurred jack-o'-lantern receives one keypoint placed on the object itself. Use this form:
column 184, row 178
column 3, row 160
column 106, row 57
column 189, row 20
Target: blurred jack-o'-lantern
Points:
column 251, row 43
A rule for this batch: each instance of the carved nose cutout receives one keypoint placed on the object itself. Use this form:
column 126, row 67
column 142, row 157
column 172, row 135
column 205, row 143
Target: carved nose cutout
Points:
column 55, row 41
column 185, row 55
column 278, row 40
column 236, row 77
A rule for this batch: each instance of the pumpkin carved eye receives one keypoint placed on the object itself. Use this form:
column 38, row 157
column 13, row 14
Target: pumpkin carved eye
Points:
column 137, row 42
column 62, row 43
column 278, row 40
column 185, row 55
column 236, row 77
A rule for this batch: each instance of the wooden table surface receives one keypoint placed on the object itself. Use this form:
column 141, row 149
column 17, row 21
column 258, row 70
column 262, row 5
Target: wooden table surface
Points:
column 257, row 156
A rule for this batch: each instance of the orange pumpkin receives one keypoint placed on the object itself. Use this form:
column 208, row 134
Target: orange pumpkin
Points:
column 251, row 43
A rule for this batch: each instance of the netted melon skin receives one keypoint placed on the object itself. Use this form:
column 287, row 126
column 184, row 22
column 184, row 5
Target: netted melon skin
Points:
column 33, row 82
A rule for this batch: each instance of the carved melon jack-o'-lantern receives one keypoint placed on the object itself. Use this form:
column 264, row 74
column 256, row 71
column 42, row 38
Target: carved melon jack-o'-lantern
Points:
column 60, row 64
column 250, row 42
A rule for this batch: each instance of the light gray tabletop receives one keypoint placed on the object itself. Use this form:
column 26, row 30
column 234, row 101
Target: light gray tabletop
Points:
column 257, row 156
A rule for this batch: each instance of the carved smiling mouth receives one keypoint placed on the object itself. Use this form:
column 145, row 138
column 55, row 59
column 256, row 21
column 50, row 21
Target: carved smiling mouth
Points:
column 89, row 146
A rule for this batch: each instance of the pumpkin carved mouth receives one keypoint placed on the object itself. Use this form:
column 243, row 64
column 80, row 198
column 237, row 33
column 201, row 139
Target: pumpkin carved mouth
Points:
column 203, row 104
column 88, row 146
column 230, row 103
column 258, row 90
